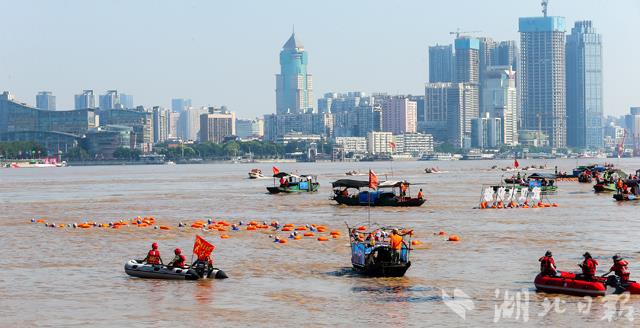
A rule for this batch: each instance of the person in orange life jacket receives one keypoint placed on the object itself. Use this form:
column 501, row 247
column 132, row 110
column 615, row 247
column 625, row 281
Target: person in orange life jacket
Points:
column 548, row 265
column 420, row 194
column 620, row 268
column 396, row 242
column 153, row 257
column 403, row 189
column 178, row 260
column 619, row 185
column 588, row 266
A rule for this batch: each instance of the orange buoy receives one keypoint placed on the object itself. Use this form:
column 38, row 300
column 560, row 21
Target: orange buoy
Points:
column 483, row 205
column 143, row 225
column 335, row 236
column 40, row 220
column 253, row 223
column 301, row 228
column 251, row 227
column 309, row 234
column 454, row 238
column 282, row 241
column 84, row 225
column 165, row 228
column 323, row 238
column 362, row 228
column 287, row 229
column 289, row 225
column 297, row 237
column 415, row 242
column 224, row 236
column 222, row 229
column 554, row 205
column 441, row 233
column 335, row 232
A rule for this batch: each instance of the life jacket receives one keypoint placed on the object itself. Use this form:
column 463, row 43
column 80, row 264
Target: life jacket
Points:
column 589, row 267
column 619, row 184
column 620, row 268
column 180, row 263
column 420, row 195
column 153, row 257
column 396, row 242
column 547, row 264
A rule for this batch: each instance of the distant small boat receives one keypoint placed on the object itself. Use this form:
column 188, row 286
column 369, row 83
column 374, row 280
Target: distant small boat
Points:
column 385, row 195
column 290, row 183
column 255, row 174
column 354, row 172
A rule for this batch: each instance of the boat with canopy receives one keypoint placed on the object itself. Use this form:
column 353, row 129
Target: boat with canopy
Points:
column 388, row 193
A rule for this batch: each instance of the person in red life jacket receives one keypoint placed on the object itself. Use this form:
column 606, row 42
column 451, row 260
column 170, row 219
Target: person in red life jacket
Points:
column 281, row 181
column 547, row 264
column 420, row 194
column 178, row 260
column 621, row 271
column 588, row 266
column 153, row 257
column 619, row 185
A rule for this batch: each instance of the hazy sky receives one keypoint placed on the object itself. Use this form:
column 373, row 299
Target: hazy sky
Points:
column 226, row 52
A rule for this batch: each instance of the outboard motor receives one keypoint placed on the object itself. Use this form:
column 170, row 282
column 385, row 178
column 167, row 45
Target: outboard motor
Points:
column 200, row 268
column 614, row 281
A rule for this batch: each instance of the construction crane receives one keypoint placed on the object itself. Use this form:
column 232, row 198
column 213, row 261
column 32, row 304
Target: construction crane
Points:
column 544, row 4
column 457, row 32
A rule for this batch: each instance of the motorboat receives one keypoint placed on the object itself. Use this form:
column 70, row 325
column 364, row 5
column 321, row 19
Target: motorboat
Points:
column 140, row 269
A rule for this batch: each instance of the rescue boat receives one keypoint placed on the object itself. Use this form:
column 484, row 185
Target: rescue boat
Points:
column 136, row 268
column 567, row 283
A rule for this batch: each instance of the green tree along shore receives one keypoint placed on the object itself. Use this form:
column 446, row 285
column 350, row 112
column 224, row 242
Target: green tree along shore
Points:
column 21, row 150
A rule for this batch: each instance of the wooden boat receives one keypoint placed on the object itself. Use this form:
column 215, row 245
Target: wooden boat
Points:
column 372, row 255
column 293, row 183
column 388, row 194
column 633, row 191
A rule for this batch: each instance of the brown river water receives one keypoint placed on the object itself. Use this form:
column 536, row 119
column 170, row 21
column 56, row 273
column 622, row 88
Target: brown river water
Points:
column 67, row 277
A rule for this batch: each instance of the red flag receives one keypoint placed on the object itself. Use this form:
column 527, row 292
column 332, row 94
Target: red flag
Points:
column 392, row 145
column 373, row 180
column 275, row 170
column 515, row 163
column 201, row 248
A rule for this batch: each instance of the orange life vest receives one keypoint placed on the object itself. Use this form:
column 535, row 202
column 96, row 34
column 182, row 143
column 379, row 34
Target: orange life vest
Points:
column 396, row 242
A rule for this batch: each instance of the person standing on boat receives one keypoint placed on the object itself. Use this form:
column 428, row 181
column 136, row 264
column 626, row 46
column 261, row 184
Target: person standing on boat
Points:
column 420, row 194
column 153, row 257
column 588, row 266
column 396, row 242
column 621, row 271
column 403, row 190
column 547, row 264
column 178, row 260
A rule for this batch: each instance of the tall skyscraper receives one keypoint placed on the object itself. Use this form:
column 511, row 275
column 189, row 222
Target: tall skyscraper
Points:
column 160, row 124
column 500, row 100
column 179, row 105
column 584, row 86
column 441, row 63
column 399, row 115
column 110, row 100
column 449, row 108
column 189, row 124
column 294, row 86
column 542, row 70
column 126, row 101
column 45, row 100
column 85, row 100
column 506, row 53
column 467, row 60
column 486, row 50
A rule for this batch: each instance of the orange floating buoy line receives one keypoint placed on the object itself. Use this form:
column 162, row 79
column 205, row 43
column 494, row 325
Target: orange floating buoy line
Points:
column 221, row 226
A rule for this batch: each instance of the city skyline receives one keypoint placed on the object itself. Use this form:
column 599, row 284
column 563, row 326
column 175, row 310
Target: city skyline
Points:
column 343, row 56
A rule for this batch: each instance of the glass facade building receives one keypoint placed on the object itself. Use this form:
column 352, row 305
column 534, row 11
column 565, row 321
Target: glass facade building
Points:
column 584, row 87
column 294, row 86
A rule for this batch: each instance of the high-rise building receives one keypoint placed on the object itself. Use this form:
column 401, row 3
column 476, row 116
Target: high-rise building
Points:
column 174, row 120
column 543, row 89
column 500, row 100
column 380, row 143
column 85, row 100
column 139, row 118
column 179, row 105
column 486, row 132
column 415, row 144
column 160, row 124
column 45, row 100
column 486, row 51
column 126, row 101
column 110, row 100
column 217, row 124
column 584, row 87
column 399, row 115
column 441, row 63
column 506, row 53
column 632, row 123
column 250, row 129
column 467, row 60
column 294, row 86
column 189, row 124
column 449, row 108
